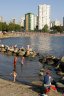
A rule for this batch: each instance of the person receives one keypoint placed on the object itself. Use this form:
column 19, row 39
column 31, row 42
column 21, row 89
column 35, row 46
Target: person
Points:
column 28, row 50
column 28, row 47
column 15, row 60
column 14, row 75
column 47, row 81
column 22, row 60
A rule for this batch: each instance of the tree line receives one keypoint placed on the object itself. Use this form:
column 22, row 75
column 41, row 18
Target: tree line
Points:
column 53, row 29
column 12, row 27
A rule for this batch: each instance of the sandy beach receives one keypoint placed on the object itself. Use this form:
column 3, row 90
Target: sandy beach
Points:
column 9, row 88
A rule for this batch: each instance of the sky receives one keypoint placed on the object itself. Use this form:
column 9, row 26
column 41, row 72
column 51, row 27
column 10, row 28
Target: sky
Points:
column 10, row 9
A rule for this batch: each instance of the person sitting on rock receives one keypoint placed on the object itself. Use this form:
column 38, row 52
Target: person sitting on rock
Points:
column 47, row 81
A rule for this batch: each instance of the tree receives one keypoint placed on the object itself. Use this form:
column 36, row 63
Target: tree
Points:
column 45, row 28
column 17, row 27
column 11, row 27
column 57, row 29
column 4, row 26
column 0, row 26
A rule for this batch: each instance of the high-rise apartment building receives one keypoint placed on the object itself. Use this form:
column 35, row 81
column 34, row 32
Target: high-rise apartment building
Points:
column 43, row 16
column 29, row 22
column 22, row 21
column 56, row 23
column 35, row 21
column 1, row 19
column 63, row 21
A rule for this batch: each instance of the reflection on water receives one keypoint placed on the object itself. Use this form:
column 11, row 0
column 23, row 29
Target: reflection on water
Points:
column 43, row 44
column 30, row 69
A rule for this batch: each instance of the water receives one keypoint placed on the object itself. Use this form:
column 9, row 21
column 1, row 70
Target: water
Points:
column 29, row 71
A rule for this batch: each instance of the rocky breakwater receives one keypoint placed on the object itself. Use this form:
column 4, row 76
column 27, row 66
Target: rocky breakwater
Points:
column 56, row 67
column 14, row 50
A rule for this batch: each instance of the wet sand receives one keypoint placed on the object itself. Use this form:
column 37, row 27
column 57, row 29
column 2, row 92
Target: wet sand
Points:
column 8, row 88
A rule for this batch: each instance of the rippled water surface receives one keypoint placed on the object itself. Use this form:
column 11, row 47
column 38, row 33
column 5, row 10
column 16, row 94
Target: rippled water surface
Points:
column 29, row 71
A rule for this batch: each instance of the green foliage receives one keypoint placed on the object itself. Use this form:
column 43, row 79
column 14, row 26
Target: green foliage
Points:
column 4, row 26
column 0, row 26
column 57, row 29
column 45, row 29
column 9, row 27
column 15, row 27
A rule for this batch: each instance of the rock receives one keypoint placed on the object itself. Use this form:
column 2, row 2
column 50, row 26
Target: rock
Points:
column 62, row 78
column 41, row 73
column 42, row 70
column 62, row 59
column 60, row 73
column 62, row 66
column 60, row 85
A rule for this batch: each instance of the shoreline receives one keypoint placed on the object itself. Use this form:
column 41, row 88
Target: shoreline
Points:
column 27, row 34
column 8, row 88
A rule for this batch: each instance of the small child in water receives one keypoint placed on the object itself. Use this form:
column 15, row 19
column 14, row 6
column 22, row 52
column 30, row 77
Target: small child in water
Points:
column 22, row 60
column 14, row 75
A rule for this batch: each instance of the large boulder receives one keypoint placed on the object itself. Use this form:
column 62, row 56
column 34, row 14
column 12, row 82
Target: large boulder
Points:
column 62, row 66
column 62, row 59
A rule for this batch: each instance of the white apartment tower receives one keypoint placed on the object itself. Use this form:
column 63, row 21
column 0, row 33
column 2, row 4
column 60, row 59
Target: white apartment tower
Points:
column 56, row 23
column 43, row 16
column 22, row 21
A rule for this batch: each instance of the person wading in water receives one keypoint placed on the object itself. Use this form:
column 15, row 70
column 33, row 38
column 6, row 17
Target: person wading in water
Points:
column 15, row 61
column 14, row 74
column 22, row 59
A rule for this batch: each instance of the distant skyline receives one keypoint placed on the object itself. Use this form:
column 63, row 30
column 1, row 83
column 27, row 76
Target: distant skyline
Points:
column 10, row 9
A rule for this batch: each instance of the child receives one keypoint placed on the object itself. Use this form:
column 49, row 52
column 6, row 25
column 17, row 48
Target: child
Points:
column 22, row 60
column 14, row 75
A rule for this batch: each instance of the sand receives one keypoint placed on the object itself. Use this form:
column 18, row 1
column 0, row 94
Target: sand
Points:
column 9, row 88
